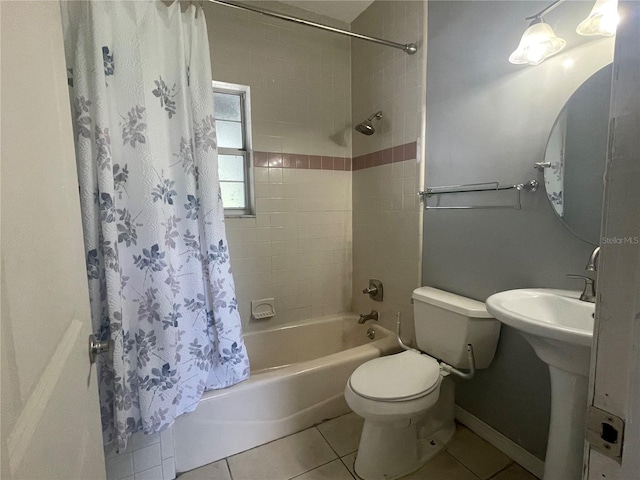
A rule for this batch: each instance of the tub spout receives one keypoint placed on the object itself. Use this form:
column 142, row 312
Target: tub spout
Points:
column 369, row 316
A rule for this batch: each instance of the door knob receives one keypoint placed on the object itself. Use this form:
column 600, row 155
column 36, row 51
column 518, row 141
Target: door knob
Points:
column 97, row 347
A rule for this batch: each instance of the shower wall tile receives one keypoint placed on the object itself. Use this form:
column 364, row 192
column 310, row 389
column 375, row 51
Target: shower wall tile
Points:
column 386, row 240
column 168, row 469
column 146, row 458
column 396, row 154
column 386, row 212
column 139, row 442
column 119, row 467
column 149, row 456
column 300, row 78
column 387, row 79
column 300, row 161
column 154, row 473
column 298, row 248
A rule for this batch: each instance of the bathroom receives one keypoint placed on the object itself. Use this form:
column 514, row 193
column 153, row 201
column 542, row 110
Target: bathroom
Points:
column 455, row 112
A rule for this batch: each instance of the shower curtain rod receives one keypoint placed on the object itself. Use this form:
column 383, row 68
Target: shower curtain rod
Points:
column 409, row 48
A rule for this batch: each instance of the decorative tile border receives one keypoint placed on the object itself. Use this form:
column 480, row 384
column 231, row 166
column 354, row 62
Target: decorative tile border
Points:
column 408, row 151
column 315, row 162
column 292, row 160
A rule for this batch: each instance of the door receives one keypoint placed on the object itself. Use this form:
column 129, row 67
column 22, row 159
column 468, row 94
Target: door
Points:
column 615, row 369
column 50, row 412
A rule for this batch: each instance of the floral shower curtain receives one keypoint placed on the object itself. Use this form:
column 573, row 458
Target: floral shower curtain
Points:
column 157, row 261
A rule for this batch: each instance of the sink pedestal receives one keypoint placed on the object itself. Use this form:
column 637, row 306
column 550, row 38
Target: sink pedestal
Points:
column 567, row 426
column 559, row 327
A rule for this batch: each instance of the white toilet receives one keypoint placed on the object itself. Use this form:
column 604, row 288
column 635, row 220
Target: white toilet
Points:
column 406, row 399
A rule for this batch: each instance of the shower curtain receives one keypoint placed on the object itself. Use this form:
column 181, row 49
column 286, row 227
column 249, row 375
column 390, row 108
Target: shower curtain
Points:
column 158, row 266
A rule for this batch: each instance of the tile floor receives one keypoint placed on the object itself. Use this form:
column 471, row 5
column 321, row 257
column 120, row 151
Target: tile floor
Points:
column 328, row 450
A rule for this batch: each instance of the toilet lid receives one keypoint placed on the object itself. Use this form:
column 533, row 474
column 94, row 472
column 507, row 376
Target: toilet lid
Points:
column 396, row 377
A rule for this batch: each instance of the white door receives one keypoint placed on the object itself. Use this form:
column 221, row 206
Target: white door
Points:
column 50, row 413
column 615, row 369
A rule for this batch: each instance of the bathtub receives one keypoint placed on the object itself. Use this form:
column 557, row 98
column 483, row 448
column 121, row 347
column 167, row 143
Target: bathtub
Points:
column 298, row 375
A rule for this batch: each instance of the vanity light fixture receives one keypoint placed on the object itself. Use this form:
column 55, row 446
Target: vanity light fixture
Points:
column 602, row 20
column 538, row 41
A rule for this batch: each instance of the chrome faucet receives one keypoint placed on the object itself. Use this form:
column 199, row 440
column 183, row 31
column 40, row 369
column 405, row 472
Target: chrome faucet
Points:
column 369, row 316
column 592, row 265
column 589, row 292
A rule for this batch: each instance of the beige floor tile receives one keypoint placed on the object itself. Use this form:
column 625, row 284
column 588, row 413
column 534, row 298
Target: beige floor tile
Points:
column 477, row 454
column 348, row 461
column 282, row 459
column 343, row 433
column 442, row 467
column 213, row 471
column 331, row 471
column 514, row 472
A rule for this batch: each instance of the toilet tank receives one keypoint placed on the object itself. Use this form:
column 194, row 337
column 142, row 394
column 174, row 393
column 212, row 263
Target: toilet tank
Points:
column 445, row 323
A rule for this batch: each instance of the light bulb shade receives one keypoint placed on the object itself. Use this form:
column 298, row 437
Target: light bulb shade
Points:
column 538, row 42
column 602, row 20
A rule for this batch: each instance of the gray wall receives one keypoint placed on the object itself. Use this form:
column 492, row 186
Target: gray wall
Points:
column 489, row 120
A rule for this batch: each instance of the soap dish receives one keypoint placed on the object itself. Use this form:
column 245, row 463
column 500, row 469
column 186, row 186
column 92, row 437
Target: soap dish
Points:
column 263, row 309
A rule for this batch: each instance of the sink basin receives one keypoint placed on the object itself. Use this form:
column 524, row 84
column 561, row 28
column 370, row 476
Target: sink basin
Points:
column 553, row 314
column 556, row 323
column 559, row 327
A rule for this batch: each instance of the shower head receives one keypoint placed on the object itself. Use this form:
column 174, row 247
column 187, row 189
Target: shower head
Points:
column 366, row 127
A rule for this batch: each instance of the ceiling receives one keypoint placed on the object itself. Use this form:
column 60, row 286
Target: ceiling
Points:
column 345, row 11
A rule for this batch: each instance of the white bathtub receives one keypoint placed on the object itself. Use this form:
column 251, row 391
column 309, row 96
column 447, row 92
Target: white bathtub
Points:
column 298, row 375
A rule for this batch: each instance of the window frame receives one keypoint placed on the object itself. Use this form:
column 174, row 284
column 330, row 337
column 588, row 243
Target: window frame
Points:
column 244, row 91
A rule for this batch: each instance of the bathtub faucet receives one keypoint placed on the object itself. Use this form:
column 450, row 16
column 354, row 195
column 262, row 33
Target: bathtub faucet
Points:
column 369, row 316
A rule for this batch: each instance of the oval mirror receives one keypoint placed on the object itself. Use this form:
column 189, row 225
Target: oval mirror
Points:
column 575, row 157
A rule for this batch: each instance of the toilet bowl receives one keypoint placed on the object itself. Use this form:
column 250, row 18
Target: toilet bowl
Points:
column 407, row 399
column 398, row 435
column 387, row 387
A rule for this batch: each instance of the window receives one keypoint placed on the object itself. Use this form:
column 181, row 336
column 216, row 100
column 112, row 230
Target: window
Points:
column 233, row 126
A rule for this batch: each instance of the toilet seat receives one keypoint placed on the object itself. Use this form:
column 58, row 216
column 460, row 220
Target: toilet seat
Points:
column 396, row 378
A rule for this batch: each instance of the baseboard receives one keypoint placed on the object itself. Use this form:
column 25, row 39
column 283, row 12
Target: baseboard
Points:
column 502, row 443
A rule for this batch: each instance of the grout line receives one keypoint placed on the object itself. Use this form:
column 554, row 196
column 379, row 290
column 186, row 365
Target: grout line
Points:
column 349, row 453
column 228, row 468
column 325, row 439
column 462, row 464
column 514, row 451
column 314, row 468
column 304, row 430
column 502, row 470
column 267, row 443
column 347, row 466
column 226, row 459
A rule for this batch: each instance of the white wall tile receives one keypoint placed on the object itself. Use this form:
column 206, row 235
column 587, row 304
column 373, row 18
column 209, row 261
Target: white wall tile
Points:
column 110, row 450
column 386, row 240
column 147, row 458
column 139, row 440
column 311, row 228
column 387, row 80
column 154, row 473
column 166, row 443
column 120, row 466
column 168, row 469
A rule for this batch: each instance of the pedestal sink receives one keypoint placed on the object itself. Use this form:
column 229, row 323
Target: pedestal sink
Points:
column 559, row 327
